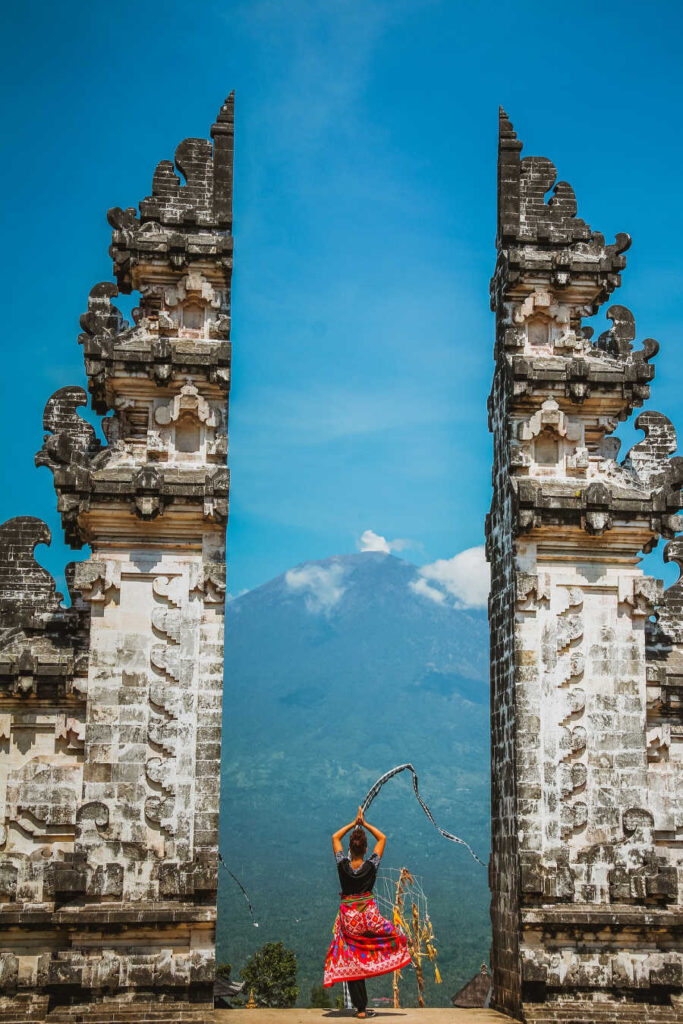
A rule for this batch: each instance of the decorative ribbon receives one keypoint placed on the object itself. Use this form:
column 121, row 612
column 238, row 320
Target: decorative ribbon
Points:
column 239, row 884
column 408, row 767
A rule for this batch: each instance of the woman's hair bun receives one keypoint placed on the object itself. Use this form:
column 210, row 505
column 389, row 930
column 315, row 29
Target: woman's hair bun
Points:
column 358, row 843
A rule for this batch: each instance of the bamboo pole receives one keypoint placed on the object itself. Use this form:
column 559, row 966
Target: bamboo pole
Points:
column 404, row 876
column 417, row 954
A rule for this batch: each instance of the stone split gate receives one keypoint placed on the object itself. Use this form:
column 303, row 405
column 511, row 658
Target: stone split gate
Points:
column 110, row 709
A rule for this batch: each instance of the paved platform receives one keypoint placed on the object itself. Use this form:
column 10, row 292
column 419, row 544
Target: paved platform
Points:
column 442, row 1015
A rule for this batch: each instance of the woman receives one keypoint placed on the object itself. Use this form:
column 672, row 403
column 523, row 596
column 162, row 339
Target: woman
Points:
column 364, row 943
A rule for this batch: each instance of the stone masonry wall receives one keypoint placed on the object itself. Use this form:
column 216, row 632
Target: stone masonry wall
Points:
column 586, row 727
column 110, row 710
column 503, row 879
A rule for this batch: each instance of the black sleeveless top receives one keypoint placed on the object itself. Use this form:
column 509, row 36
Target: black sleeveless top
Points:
column 353, row 882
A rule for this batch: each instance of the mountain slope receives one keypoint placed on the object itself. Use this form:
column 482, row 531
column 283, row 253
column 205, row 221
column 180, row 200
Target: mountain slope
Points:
column 335, row 672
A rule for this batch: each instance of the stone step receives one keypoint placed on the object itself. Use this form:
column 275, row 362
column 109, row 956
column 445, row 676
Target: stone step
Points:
column 78, row 1016
column 18, row 1015
column 117, row 1018
column 22, row 1009
column 600, row 1013
column 132, row 1013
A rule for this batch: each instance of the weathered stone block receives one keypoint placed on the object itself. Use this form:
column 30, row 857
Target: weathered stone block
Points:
column 9, row 972
column 106, row 880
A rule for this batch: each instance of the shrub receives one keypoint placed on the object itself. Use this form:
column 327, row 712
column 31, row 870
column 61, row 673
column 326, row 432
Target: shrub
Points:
column 271, row 973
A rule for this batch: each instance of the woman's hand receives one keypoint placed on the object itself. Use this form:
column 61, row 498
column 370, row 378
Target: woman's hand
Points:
column 340, row 833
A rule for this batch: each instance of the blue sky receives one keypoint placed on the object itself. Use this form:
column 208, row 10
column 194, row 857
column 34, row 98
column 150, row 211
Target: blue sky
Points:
column 364, row 230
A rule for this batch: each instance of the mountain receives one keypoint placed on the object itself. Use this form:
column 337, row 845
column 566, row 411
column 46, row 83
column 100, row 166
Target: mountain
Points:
column 335, row 672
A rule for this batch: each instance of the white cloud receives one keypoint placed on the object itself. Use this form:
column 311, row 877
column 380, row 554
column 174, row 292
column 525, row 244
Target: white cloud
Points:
column 371, row 541
column 465, row 577
column 425, row 589
column 321, row 585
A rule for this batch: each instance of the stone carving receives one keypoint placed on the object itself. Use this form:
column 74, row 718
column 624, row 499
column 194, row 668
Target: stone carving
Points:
column 98, row 582
column 72, row 441
column 187, row 429
column 88, row 477
column 103, row 320
column 110, row 708
column 43, row 665
column 650, row 459
column 586, row 652
column 182, row 325
column 25, row 587
column 42, row 643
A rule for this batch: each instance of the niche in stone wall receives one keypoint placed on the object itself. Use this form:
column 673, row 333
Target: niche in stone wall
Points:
column 546, row 449
column 193, row 316
column 187, row 434
column 538, row 332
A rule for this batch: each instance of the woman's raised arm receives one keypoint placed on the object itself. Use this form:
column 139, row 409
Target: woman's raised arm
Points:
column 379, row 836
column 340, row 833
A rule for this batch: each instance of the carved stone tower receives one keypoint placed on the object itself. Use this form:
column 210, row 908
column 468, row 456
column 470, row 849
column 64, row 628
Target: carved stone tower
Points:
column 586, row 651
column 110, row 710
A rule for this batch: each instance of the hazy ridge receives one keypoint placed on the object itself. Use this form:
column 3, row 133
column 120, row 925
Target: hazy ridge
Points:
column 322, row 695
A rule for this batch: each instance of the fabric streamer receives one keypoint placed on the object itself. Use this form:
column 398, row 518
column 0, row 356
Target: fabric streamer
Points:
column 240, row 886
column 408, row 767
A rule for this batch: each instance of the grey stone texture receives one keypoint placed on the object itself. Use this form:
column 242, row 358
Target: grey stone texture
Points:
column 586, row 651
column 110, row 709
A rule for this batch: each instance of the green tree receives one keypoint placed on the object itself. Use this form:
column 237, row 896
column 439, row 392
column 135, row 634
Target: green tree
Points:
column 320, row 998
column 271, row 973
column 223, row 971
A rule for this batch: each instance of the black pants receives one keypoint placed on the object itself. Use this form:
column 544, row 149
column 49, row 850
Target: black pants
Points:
column 358, row 993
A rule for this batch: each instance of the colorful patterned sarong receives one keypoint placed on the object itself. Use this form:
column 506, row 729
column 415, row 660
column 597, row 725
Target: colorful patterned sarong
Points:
column 365, row 944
